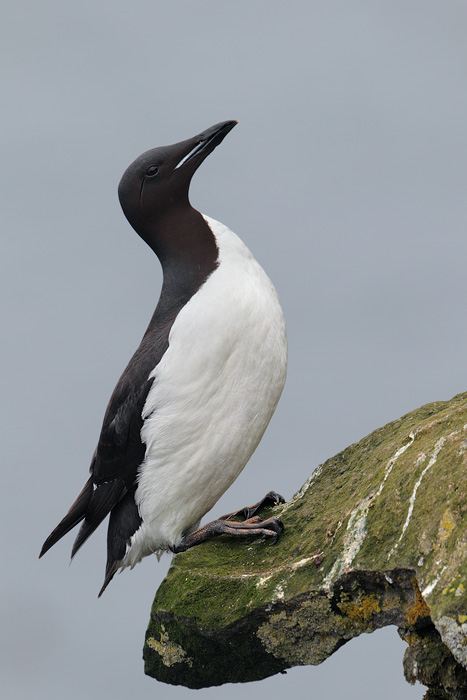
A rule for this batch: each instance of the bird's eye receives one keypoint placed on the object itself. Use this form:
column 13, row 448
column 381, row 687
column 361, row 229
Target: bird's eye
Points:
column 152, row 170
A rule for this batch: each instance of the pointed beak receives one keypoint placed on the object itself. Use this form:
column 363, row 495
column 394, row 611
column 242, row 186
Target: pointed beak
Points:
column 199, row 147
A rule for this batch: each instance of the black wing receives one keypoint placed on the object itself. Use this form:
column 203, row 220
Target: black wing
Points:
column 119, row 451
column 114, row 465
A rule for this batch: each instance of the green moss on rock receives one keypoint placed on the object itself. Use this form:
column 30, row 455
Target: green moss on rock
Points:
column 377, row 535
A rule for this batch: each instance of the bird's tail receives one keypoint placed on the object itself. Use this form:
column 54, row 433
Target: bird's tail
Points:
column 92, row 505
column 74, row 516
column 103, row 498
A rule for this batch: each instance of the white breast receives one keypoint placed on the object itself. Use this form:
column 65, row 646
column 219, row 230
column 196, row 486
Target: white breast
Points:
column 213, row 395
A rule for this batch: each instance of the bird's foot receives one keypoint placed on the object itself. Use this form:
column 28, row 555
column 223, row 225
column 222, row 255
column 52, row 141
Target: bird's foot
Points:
column 270, row 499
column 272, row 527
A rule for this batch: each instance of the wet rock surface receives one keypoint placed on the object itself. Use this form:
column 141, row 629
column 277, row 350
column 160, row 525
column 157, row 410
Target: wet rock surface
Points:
column 376, row 536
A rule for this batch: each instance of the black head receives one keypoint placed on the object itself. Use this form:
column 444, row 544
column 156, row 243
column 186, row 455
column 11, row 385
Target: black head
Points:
column 156, row 184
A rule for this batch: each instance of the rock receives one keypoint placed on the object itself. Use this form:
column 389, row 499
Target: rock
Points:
column 376, row 536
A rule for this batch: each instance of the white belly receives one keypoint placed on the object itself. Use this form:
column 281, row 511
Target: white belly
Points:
column 213, row 395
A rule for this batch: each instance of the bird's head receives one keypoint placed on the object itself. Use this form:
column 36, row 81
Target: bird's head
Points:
column 156, row 184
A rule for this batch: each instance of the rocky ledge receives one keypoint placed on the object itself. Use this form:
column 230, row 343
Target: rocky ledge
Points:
column 376, row 536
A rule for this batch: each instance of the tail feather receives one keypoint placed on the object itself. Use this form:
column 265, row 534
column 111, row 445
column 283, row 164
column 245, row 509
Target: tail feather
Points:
column 75, row 514
column 103, row 499
column 109, row 574
column 124, row 521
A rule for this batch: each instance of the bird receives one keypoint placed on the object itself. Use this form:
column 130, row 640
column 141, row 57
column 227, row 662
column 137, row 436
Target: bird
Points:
column 194, row 400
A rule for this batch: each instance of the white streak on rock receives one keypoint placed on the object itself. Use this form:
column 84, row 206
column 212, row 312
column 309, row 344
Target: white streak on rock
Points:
column 428, row 590
column 438, row 446
column 302, row 491
column 353, row 540
column 393, row 460
column 356, row 527
column 302, row 562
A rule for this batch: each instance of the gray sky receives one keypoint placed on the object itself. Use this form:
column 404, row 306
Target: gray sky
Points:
column 346, row 177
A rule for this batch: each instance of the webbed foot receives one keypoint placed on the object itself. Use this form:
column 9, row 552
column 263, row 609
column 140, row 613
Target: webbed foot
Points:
column 270, row 499
column 272, row 527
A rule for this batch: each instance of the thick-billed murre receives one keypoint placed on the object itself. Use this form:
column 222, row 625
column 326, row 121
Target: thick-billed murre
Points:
column 196, row 397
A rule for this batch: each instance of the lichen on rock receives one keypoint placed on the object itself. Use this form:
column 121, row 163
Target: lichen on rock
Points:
column 168, row 652
column 376, row 536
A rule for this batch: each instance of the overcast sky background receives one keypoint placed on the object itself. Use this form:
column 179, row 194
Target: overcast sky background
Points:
column 346, row 177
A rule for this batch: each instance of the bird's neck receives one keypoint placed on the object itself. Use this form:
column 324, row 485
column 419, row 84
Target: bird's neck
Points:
column 187, row 250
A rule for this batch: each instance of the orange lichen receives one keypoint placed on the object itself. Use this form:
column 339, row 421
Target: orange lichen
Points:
column 419, row 608
column 361, row 610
